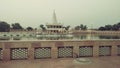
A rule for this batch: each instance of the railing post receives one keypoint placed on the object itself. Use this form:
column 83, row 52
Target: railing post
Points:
column 95, row 51
column 6, row 52
column 54, row 52
column 75, row 51
column 31, row 52
column 114, row 50
column 54, row 49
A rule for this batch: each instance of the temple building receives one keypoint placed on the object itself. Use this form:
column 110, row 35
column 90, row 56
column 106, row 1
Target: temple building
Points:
column 55, row 27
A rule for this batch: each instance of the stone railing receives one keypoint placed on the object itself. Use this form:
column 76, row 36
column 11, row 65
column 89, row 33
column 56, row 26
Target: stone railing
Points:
column 30, row 50
column 72, row 31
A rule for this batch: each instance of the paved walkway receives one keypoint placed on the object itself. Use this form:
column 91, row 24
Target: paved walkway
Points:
column 97, row 62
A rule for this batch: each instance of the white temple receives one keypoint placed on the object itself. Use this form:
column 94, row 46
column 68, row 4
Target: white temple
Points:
column 55, row 27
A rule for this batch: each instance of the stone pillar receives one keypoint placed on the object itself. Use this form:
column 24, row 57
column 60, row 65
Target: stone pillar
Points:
column 30, row 53
column 6, row 51
column 75, row 51
column 31, row 50
column 114, row 50
column 6, row 54
column 54, row 52
column 95, row 51
column 54, row 49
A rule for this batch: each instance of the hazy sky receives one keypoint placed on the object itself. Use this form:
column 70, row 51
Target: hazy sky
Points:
column 69, row 12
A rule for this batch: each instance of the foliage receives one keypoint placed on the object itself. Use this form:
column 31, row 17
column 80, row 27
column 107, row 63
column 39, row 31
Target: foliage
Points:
column 101, row 28
column 77, row 28
column 67, row 27
column 81, row 27
column 4, row 27
column 42, row 27
column 29, row 28
column 16, row 26
column 114, row 27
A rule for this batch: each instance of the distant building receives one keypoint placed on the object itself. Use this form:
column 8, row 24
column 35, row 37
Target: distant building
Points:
column 55, row 27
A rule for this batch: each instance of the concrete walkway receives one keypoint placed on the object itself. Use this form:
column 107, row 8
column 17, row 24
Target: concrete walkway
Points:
column 97, row 62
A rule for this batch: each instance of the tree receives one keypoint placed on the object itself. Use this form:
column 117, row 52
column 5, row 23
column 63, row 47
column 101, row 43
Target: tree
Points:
column 43, row 28
column 108, row 27
column 81, row 27
column 77, row 27
column 16, row 26
column 29, row 28
column 102, row 28
column 115, row 27
column 85, row 27
column 67, row 27
column 4, row 27
column 118, row 23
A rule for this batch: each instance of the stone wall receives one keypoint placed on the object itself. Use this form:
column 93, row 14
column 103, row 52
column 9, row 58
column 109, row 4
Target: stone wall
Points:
column 54, row 45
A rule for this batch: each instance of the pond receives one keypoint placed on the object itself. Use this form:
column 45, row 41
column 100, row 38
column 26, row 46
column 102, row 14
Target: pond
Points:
column 96, row 36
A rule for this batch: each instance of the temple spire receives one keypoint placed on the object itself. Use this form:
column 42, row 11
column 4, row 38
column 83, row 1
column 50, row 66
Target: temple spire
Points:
column 54, row 17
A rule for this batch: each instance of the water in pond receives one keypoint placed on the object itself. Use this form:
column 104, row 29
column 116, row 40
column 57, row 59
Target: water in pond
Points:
column 97, row 37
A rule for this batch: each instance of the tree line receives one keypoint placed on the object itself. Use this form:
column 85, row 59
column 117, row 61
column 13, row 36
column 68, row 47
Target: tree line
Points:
column 80, row 27
column 5, row 27
column 114, row 27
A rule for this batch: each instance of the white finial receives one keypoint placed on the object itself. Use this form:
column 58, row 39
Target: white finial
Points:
column 54, row 17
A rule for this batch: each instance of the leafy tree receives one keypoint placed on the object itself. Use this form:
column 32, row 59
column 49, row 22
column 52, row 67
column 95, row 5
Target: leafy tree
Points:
column 29, row 28
column 115, row 27
column 77, row 27
column 67, row 27
column 81, row 27
column 110, row 27
column 42, row 26
column 118, row 23
column 85, row 27
column 16, row 26
column 102, row 28
column 4, row 27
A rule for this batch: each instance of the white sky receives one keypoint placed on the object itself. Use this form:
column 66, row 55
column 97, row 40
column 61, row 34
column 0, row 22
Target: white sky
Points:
column 69, row 12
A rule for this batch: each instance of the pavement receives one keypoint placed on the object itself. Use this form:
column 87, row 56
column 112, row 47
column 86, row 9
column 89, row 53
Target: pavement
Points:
column 96, row 62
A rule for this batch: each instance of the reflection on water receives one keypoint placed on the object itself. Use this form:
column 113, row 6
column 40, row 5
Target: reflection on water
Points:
column 109, row 37
column 94, row 36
